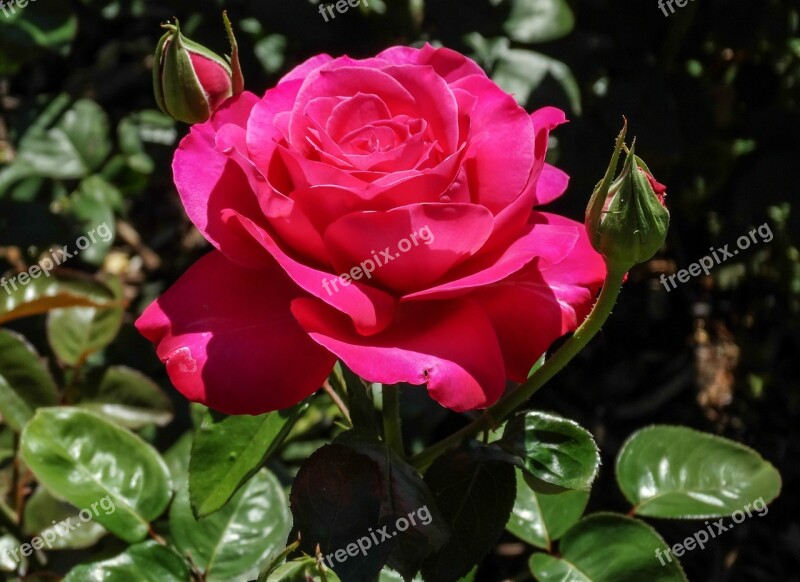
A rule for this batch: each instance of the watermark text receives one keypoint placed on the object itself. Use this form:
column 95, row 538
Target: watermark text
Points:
column 700, row 537
column 705, row 264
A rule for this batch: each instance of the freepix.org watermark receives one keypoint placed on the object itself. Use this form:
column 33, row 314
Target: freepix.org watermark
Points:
column 720, row 255
column 63, row 528
column 341, row 6
column 56, row 258
column 664, row 4
column 379, row 259
column 700, row 537
column 9, row 7
column 370, row 541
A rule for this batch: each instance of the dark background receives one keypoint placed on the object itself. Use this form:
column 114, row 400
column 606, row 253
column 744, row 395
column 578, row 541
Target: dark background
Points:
column 712, row 93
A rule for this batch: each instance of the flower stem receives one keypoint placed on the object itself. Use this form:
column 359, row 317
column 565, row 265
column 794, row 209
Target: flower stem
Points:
column 392, row 431
column 496, row 414
column 337, row 400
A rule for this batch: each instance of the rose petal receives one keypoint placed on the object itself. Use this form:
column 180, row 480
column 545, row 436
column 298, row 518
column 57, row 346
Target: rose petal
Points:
column 305, row 68
column 582, row 266
column 552, row 298
column 209, row 183
column 450, row 347
column 346, row 81
column 550, row 244
column 370, row 309
column 447, row 63
column 281, row 212
column 354, row 113
column 552, row 184
column 264, row 133
column 512, row 217
column 408, row 247
column 229, row 341
column 500, row 155
column 434, row 102
column 526, row 317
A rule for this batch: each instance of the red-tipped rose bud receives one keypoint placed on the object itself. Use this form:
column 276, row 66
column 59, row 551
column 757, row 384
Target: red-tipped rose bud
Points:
column 191, row 81
column 626, row 220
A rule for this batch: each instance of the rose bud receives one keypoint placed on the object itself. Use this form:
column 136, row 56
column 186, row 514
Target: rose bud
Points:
column 189, row 80
column 626, row 220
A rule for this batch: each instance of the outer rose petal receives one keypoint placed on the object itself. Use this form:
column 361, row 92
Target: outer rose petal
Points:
column 450, row 347
column 447, row 63
column 526, row 318
column 517, row 212
column 543, row 301
column 209, row 183
column 548, row 244
column 552, row 184
column 583, row 265
column 501, row 148
column 305, row 68
column 229, row 341
column 371, row 310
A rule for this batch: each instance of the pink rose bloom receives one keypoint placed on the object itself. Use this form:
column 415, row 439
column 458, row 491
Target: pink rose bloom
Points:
column 379, row 211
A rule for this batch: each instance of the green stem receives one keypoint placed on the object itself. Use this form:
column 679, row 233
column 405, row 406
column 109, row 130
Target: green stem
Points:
column 392, row 432
column 496, row 414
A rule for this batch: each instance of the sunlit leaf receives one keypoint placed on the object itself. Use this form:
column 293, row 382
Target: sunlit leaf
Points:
column 84, row 459
column 228, row 450
column 674, row 471
column 540, row 518
column 25, row 382
column 233, row 542
column 42, row 294
column 607, row 547
column 553, row 449
column 77, row 332
column 129, row 398
column 145, row 562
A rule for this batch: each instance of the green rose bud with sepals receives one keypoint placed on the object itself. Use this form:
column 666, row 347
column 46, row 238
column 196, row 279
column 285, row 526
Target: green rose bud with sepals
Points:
column 189, row 80
column 626, row 218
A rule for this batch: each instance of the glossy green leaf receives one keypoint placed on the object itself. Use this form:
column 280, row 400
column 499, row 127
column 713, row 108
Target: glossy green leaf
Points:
column 234, row 541
column 336, row 501
column 42, row 509
column 75, row 333
column 145, row 562
column 228, row 450
column 607, row 547
column 83, row 458
column 130, row 399
column 475, row 492
column 534, row 21
column 541, row 518
column 555, row 450
column 75, row 146
column 43, row 294
column 177, row 459
column 301, row 570
column 388, row 575
column 677, row 472
column 25, row 383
